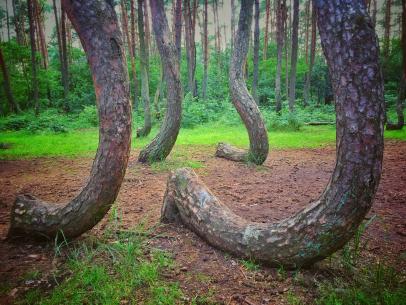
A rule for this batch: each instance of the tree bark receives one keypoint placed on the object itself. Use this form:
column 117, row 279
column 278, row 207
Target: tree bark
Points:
column 242, row 100
column 293, row 61
column 256, row 53
column 189, row 17
column 13, row 105
column 65, row 64
column 205, row 50
column 178, row 28
column 327, row 224
column 308, row 76
column 280, row 13
column 402, row 85
column 387, row 27
column 7, row 22
column 96, row 23
column 162, row 144
column 34, row 76
column 266, row 34
column 41, row 34
column 144, row 63
column 232, row 23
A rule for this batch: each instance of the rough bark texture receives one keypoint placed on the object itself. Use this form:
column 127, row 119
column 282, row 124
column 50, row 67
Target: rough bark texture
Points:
column 293, row 61
column 266, row 33
column 162, row 144
column 189, row 17
column 34, row 77
column 178, row 28
column 280, row 8
column 242, row 100
column 14, row 107
column 351, row 48
column 96, row 23
column 232, row 23
column 256, row 53
column 205, row 50
column 308, row 77
column 65, row 64
column 387, row 28
column 144, row 63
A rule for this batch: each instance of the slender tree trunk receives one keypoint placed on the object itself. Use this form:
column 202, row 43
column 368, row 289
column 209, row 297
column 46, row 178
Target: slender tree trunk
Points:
column 96, row 23
column 256, row 52
column 13, row 105
column 286, row 29
column 34, row 76
column 387, row 26
column 134, row 49
column 205, row 49
column 267, row 12
column 242, row 100
column 232, row 23
column 65, row 65
column 373, row 13
column 308, row 76
column 130, row 48
column 402, row 85
column 144, row 60
column 189, row 17
column 293, row 61
column 178, row 29
column 331, row 221
column 280, row 13
column 41, row 34
column 146, row 26
column 8, row 22
column 162, row 144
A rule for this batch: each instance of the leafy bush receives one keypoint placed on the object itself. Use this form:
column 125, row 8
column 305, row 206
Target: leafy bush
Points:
column 16, row 122
column 88, row 117
column 285, row 121
column 49, row 120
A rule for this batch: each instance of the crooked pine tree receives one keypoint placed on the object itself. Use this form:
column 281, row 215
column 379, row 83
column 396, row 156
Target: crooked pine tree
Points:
column 96, row 23
column 351, row 49
column 242, row 99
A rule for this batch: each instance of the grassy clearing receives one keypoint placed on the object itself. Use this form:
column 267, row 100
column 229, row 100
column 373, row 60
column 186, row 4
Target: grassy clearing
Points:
column 84, row 142
column 116, row 268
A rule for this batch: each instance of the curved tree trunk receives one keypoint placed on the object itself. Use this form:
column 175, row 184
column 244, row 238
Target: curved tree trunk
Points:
column 242, row 100
column 162, row 144
column 96, row 23
column 328, row 223
column 144, row 63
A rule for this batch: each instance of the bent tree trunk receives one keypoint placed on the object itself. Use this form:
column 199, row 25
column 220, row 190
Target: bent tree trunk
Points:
column 162, row 144
column 328, row 223
column 96, row 24
column 242, row 100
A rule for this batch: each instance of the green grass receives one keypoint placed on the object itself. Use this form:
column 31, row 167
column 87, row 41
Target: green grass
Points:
column 111, row 269
column 84, row 142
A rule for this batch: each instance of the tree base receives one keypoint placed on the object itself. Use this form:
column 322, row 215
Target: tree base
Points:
column 232, row 153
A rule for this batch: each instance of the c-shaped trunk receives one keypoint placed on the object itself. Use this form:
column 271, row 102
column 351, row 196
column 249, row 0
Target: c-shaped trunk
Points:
column 242, row 100
column 351, row 49
column 96, row 24
column 162, row 144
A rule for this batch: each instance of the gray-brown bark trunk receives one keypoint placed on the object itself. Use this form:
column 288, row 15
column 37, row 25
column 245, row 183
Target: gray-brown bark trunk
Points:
column 96, row 23
column 242, row 100
column 280, row 13
column 293, row 61
column 144, row 63
column 34, row 76
column 205, row 49
column 13, row 105
column 256, row 53
column 328, row 223
column 162, row 144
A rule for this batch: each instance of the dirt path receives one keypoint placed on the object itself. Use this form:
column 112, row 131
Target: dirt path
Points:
column 289, row 180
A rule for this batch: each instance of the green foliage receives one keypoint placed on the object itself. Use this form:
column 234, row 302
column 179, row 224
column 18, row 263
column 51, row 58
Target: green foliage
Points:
column 376, row 284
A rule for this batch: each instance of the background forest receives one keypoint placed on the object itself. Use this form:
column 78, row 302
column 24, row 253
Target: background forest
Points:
column 49, row 87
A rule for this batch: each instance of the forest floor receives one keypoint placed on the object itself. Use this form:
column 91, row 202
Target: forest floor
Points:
column 287, row 182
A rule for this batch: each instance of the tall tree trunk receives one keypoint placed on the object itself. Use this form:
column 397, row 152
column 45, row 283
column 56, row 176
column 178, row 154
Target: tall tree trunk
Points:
column 242, row 100
column 308, row 75
column 7, row 22
column 162, row 144
column 293, row 61
column 41, row 33
column 267, row 13
column 256, row 52
column 189, row 17
column 178, row 29
column 96, row 23
column 329, row 222
column 65, row 64
column 34, row 76
column 130, row 48
column 387, row 26
column 402, row 86
column 373, row 13
column 205, row 49
column 144, row 61
column 287, row 39
column 13, row 105
column 280, row 13
column 146, row 26
column 232, row 23
column 134, row 49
